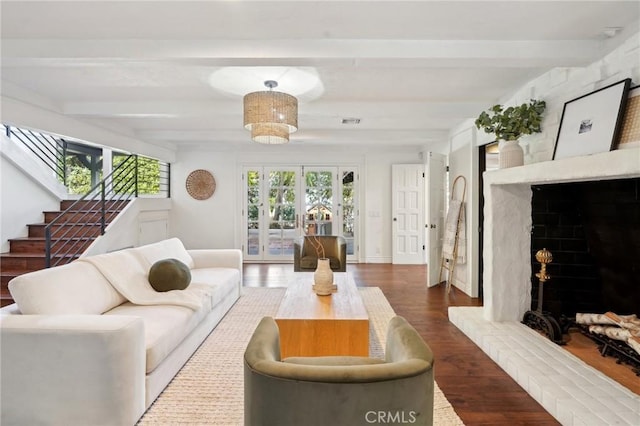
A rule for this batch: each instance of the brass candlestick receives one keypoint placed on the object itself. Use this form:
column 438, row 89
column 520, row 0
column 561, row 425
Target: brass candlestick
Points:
column 539, row 320
column 543, row 256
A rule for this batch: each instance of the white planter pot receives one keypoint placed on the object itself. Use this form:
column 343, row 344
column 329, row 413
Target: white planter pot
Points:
column 511, row 154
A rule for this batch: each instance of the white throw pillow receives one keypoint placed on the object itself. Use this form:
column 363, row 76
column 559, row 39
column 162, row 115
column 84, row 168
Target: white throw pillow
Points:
column 75, row 288
column 166, row 249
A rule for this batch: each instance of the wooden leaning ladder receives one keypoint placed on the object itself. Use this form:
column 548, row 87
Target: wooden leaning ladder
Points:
column 450, row 264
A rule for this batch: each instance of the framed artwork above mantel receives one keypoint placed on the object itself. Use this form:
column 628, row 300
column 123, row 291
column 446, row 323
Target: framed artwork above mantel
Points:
column 591, row 123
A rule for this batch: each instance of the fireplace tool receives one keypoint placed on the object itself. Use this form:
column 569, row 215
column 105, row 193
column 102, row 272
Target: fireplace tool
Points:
column 539, row 320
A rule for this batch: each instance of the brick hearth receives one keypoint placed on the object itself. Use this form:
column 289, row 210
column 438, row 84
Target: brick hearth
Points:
column 569, row 389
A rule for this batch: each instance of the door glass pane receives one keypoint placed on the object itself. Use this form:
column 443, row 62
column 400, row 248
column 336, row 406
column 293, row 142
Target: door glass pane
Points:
column 282, row 212
column 348, row 210
column 318, row 219
column 253, row 213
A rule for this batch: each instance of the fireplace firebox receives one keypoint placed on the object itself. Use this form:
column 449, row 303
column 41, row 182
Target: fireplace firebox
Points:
column 593, row 230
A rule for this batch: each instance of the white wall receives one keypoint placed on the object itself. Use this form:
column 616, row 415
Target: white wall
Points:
column 215, row 222
column 22, row 202
column 565, row 84
column 376, row 215
column 143, row 221
column 210, row 223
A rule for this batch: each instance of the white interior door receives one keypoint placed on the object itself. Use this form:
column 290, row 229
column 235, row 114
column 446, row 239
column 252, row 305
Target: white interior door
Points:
column 408, row 213
column 435, row 213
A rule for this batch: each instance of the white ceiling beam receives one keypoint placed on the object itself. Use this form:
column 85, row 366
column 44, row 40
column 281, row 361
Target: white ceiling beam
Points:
column 184, row 136
column 194, row 108
column 561, row 53
column 31, row 116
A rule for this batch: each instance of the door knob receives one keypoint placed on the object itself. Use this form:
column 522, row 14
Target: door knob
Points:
column 395, row 219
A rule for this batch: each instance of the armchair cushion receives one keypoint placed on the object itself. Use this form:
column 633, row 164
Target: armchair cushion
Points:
column 333, row 360
column 305, row 256
column 311, row 263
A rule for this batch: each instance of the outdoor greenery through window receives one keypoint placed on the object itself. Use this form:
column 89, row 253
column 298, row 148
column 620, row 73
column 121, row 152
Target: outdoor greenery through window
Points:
column 282, row 197
column 148, row 174
column 80, row 177
column 85, row 171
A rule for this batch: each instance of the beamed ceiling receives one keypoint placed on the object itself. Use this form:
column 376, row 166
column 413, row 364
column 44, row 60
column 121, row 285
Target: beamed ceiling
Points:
column 172, row 73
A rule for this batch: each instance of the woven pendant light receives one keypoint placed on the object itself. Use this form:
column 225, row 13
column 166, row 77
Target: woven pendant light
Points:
column 270, row 116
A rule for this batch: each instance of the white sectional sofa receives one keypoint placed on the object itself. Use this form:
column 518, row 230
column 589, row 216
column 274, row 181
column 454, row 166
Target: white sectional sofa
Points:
column 91, row 342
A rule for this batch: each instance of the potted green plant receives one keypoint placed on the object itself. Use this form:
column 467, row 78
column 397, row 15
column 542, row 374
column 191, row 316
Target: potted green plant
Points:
column 508, row 124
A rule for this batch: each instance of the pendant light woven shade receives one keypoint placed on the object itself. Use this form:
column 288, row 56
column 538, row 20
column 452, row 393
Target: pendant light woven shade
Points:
column 270, row 116
column 270, row 133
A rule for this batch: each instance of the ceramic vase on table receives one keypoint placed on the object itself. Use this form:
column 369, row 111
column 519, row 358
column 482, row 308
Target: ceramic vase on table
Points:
column 511, row 154
column 323, row 278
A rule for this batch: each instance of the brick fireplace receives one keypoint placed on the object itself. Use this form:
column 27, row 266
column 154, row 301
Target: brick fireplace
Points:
column 573, row 392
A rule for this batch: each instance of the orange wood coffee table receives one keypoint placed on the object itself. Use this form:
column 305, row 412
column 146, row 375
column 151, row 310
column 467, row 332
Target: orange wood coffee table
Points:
column 312, row 325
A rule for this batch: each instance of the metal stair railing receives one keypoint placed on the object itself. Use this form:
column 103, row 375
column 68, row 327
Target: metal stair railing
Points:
column 49, row 149
column 95, row 209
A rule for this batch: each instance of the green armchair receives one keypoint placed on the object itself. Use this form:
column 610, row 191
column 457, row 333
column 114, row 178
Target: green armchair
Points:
column 338, row 390
column 305, row 257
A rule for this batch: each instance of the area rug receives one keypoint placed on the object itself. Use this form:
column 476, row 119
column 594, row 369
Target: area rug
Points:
column 209, row 388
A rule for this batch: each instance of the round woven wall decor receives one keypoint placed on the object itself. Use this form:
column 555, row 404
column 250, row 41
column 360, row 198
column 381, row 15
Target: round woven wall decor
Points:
column 200, row 184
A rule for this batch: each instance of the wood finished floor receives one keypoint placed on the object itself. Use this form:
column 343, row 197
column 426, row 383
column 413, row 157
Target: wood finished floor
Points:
column 479, row 390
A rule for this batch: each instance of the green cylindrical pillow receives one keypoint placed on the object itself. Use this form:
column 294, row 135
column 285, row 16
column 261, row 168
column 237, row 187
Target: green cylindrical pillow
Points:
column 169, row 274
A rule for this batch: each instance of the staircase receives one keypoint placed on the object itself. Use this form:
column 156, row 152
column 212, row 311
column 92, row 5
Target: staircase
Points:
column 72, row 234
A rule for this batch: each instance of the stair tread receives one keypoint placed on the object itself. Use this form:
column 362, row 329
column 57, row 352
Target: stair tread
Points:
column 8, row 254
column 84, row 210
column 72, row 223
column 10, row 275
column 82, row 237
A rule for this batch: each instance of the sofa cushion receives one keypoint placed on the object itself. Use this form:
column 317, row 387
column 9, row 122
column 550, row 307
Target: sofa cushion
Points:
column 169, row 274
column 75, row 288
column 171, row 248
column 222, row 280
column 165, row 327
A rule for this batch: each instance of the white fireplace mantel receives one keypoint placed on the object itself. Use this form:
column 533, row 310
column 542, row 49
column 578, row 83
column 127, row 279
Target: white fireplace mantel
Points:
column 507, row 222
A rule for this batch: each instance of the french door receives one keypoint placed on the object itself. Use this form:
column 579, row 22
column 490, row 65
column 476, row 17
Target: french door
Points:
column 283, row 203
